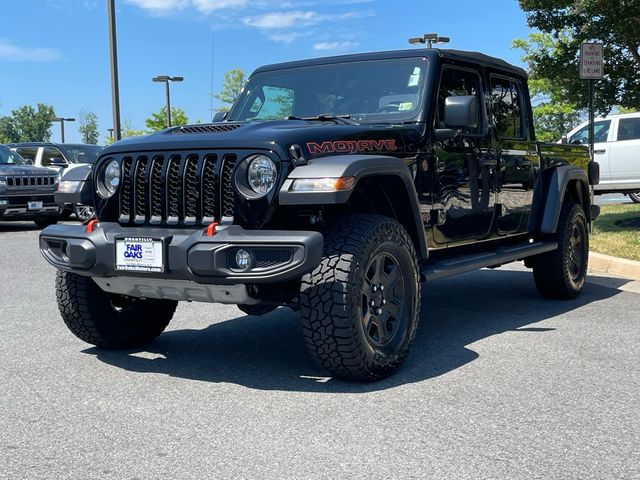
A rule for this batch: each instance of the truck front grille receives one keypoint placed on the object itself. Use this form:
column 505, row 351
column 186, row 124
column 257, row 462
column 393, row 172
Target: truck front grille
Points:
column 191, row 188
column 30, row 182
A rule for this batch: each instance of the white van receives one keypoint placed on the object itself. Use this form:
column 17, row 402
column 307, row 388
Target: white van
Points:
column 617, row 150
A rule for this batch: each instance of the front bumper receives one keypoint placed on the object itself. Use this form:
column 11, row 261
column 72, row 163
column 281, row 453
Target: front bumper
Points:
column 16, row 207
column 190, row 259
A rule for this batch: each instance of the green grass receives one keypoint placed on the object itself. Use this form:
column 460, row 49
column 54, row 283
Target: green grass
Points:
column 617, row 231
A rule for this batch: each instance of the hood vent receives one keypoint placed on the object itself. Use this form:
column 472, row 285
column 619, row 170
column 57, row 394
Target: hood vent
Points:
column 208, row 128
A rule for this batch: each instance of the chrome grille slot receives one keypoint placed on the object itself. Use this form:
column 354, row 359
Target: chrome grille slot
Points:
column 125, row 190
column 228, row 193
column 209, row 189
column 156, row 190
column 140, row 187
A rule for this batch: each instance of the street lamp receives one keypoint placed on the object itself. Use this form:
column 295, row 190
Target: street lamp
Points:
column 429, row 39
column 166, row 79
column 62, row 120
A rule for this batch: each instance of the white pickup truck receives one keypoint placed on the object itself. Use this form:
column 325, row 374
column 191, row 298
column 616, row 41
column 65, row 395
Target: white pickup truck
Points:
column 617, row 150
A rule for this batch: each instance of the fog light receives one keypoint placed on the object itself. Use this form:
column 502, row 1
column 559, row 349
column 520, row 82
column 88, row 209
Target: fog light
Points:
column 243, row 259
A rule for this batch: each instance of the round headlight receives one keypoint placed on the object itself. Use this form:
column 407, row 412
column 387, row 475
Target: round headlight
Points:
column 111, row 178
column 262, row 174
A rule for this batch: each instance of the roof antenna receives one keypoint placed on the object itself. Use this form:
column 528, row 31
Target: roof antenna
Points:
column 429, row 39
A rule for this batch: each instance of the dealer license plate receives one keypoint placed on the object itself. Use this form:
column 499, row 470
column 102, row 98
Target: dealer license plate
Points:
column 139, row 255
column 35, row 205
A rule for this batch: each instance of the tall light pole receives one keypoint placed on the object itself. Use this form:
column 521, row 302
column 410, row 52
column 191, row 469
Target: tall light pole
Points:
column 166, row 79
column 113, row 55
column 62, row 120
column 429, row 39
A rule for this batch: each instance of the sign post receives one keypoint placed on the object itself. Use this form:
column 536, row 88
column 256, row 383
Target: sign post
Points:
column 591, row 68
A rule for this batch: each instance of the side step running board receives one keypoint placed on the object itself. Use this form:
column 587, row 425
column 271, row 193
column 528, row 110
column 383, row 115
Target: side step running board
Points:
column 468, row 263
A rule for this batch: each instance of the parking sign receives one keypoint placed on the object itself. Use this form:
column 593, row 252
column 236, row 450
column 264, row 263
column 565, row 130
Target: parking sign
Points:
column 591, row 61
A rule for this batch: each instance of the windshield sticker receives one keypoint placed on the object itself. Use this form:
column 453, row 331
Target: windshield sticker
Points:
column 414, row 78
column 404, row 106
column 352, row 146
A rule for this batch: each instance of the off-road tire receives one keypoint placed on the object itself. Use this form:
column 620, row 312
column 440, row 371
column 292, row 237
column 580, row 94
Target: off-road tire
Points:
column 561, row 274
column 635, row 197
column 44, row 222
column 332, row 298
column 107, row 320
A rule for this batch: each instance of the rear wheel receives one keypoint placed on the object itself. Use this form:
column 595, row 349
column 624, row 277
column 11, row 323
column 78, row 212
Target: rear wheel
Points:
column 108, row 320
column 635, row 196
column 562, row 272
column 360, row 306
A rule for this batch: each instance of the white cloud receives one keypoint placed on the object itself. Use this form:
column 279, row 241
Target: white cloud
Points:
column 346, row 45
column 297, row 19
column 10, row 51
column 203, row 6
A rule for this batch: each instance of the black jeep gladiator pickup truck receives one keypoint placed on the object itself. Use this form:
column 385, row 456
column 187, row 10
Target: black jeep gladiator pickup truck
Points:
column 334, row 186
column 26, row 192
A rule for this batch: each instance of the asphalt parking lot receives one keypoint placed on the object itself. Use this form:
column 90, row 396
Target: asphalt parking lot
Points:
column 500, row 384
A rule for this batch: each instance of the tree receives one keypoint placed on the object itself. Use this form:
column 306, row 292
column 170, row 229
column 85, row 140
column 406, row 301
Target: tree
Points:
column 553, row 115
column 567, row 24
column 234, row 82
column 158, row 121
column 27, row 124
column 127, row 131
column 88, row 127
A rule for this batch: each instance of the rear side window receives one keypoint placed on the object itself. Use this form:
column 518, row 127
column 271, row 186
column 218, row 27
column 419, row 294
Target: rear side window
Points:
column 49, row 154
column 600, row 133
column 457, row 82
column 507, row 108
column 629, row 129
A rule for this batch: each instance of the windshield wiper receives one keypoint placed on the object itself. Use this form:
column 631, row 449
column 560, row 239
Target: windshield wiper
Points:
column 344, row 119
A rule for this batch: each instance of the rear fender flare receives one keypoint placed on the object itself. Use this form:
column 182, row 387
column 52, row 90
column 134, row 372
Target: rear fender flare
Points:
column 559, row 183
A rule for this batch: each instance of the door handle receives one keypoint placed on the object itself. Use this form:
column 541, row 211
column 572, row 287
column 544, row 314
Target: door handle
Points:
column 600, row 150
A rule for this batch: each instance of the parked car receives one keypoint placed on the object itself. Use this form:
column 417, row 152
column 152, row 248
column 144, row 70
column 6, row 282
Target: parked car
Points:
column 26, row 192
column 65, row 157
column 334, row 186
column 617, row 150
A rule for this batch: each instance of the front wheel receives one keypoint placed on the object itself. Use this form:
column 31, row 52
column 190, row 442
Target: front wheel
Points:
column 635, row 197
column 83, row 212
column 562, row 272
column 109, row 320
column 360, row 306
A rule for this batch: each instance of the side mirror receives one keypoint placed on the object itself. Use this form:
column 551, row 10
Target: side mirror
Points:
column 461, row 111
column 564, row 140
column 219, row 116
column 58, row 162
column 28, row 160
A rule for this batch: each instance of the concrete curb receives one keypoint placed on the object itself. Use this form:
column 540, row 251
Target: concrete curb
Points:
column 614, row 265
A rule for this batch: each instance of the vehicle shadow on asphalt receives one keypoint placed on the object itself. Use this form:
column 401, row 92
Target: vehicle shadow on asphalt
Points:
column 268, row 352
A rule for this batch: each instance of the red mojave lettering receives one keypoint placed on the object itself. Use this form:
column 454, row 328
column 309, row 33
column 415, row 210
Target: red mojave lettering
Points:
column 352, row 146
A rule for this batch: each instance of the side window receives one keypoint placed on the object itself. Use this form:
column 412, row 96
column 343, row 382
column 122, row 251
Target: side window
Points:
column 600, row 133
column 28, row 154
column 274, row 103
column 507, row 108
column 456, row 82
column 49, row 154
column 629, row 129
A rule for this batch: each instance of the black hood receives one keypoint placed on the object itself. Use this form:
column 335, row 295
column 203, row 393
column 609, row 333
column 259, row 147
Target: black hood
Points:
column 24, row 170
column 315, row 137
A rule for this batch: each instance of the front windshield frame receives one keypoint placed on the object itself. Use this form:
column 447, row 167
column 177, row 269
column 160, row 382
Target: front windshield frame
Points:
column 416, row 114
column 72, row 157
column 6, row 152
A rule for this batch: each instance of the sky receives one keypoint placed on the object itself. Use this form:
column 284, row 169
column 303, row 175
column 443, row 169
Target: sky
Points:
column 57, row 52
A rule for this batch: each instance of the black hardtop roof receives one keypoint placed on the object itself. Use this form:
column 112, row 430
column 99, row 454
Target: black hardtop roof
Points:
column 461, row 55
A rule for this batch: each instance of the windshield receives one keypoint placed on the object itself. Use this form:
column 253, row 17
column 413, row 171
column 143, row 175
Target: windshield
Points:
column 9, row 157
column 374, row 91
column 81, row 153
